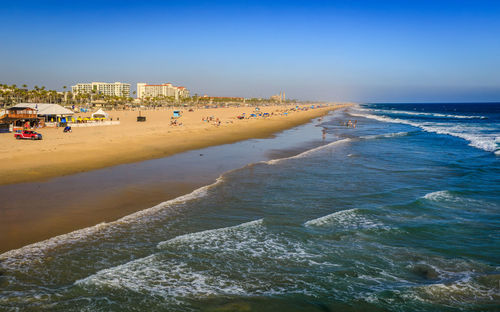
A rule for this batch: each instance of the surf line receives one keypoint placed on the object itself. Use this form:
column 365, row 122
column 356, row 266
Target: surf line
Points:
column 13, row 258
column 306, row 153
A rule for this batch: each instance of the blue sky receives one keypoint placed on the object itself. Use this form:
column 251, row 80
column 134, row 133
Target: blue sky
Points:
column 363, row 51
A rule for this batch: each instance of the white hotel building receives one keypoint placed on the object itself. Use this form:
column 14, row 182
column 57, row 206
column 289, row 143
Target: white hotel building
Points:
column 105, row 88
column 166, row 89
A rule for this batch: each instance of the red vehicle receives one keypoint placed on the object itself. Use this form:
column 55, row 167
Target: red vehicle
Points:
column 28, row 134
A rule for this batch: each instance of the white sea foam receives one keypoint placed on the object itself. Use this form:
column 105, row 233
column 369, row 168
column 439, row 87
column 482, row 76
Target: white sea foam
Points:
column 18, row 258
column 234, row 260
column 308, row 152
column 439, row 196
column 385, row 135
column 346, row 220
column 463, row 291
column 342, row 216
column 455, row 200
column 475, row 135
column 384, row 111
column 447, row 196
column 168, row 279
column 212, row 235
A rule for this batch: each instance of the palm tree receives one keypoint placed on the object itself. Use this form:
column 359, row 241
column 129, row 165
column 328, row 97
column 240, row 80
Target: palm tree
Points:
column 92, row 94
column 65, row 94
column 53, row 94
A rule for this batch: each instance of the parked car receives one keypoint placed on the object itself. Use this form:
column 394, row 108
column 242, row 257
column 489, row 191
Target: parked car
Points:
column 28, row 134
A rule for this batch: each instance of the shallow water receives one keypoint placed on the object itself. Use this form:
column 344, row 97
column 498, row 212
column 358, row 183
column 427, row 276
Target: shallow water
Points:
column 384, row 217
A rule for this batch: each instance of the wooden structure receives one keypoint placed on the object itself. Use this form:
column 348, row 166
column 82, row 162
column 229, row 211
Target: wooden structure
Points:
column 20, row 113
column 19, row 117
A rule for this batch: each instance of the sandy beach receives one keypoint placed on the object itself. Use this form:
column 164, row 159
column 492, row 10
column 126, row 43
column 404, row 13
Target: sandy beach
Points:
column 97, row 147
column 75, row 202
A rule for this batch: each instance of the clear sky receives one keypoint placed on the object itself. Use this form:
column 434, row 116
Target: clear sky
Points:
column 363, row 51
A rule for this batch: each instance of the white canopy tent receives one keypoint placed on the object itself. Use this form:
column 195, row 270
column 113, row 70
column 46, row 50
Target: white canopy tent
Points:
column 46, row 109
column 100, row 114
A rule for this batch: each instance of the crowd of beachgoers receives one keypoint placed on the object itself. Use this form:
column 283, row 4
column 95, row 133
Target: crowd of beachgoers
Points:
column 160, row 134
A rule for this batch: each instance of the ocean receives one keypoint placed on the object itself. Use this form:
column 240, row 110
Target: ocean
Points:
column 399, row 213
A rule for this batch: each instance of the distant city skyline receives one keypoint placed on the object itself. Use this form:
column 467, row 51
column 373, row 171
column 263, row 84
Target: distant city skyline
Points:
column 361, row 51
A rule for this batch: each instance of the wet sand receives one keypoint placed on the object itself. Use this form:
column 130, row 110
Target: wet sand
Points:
column 30, row 221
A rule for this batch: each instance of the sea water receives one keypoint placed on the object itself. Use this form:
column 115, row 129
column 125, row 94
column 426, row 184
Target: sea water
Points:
column 400, row 213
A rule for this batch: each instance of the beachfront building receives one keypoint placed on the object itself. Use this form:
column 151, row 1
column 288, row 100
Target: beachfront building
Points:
column 33, row 115
column 17, row 117
column 279, row 97
column 104, row 88
column 46, row 111
column 167, row 90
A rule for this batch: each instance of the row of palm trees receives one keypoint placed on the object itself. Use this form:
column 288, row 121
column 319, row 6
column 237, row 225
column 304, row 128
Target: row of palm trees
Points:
column 12, row 94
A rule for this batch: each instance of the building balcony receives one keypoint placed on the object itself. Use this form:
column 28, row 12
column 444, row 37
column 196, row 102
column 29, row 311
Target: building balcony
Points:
column 21, row 116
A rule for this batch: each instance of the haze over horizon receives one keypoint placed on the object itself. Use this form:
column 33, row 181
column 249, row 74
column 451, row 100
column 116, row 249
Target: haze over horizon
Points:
column 361, row 51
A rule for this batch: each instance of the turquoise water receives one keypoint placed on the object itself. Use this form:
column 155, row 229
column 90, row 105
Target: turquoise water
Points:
column 401, row 213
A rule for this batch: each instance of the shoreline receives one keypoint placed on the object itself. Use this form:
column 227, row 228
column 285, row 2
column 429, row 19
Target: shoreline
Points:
column 39, row 210
column 65, row 157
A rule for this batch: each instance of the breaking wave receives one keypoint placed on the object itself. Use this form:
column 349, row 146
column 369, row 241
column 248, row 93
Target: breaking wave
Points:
column 308, row 152
column 482, row 289
column 439, row 196
column 472, row 134
column 383, row 111
column 17, row 258
column 386, row 135
column 233, row 260
column 346, row 220
column 457, row 200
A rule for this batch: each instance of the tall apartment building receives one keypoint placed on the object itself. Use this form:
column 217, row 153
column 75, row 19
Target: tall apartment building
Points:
column 105, row 88
column 279, row 97
column 166, row 89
